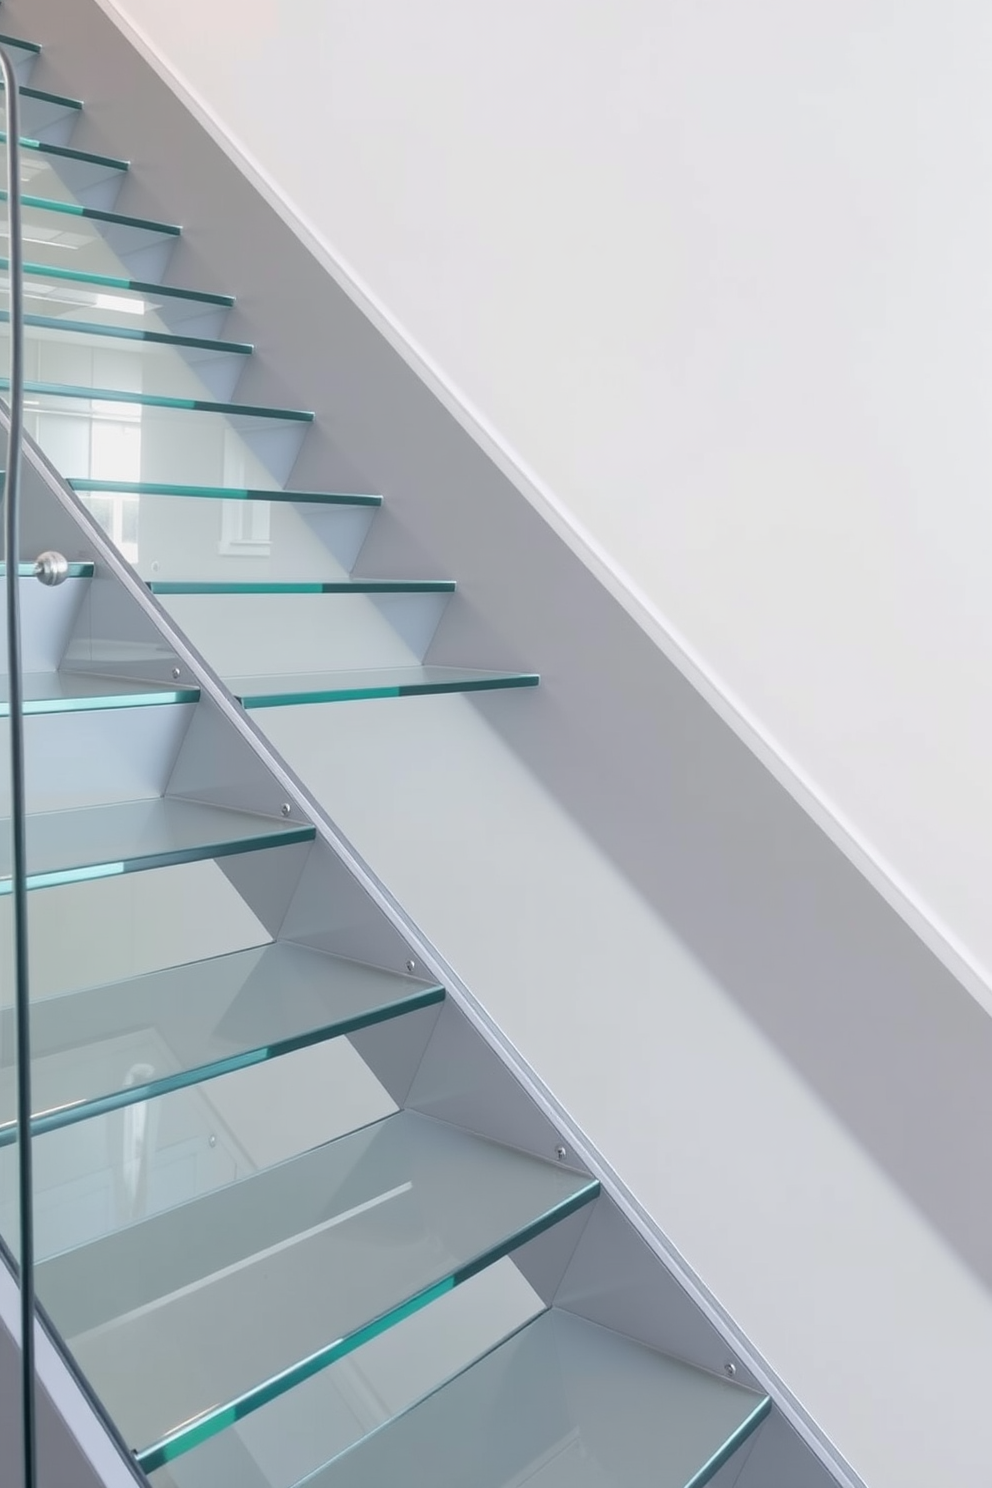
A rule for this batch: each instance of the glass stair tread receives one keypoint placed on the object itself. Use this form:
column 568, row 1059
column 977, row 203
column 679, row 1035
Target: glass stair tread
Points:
column 223, row 493
column 83, row 570
column 39, row 205
column 81, row 289
column 170, row 436
column 202, row 1019
column 68, row 236
column 163, row 438
column 236, row 412
column 21, row 46
column 60, row 173
column 292, row 1437
column 564, row 1403
column 164, row 366
column 279, row 691
column 302, row 586
column 48, row 329
column 23, row 55
column 76, row 692
column 125, row 837
column 66, row 152
column 41, row 110
column 190, row 1320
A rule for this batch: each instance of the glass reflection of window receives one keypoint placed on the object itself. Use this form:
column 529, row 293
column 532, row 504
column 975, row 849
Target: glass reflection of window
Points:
column 104, row 445
column 245, row 526
column 115, row 455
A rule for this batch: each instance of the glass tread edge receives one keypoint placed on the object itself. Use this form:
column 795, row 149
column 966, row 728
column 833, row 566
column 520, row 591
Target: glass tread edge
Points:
column 113, row 281
column 224, row 493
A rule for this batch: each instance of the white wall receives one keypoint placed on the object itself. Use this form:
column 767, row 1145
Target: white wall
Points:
column 713, row 277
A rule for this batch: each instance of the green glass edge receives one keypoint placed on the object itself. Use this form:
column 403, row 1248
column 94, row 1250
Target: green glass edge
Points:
column 66, row 152
column 224, row 493
column 160, row 400
column 106, row 702
column 25, row 46
column 97, row 214
column 304, row 586
column 128, row 333
column 111, row 281
column 205, row 1427
column 736, row 1439
column 185, row 1437
column 43, row 97
column 55, row 878
column 412, row 689
column 86, row 1108
column 26, row 570
column 58, row 877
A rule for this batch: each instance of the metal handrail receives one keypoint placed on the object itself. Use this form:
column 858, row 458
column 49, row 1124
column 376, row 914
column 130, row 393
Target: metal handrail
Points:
column 11, row 527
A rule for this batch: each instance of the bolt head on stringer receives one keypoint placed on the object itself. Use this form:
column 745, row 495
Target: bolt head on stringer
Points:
column 51, row 568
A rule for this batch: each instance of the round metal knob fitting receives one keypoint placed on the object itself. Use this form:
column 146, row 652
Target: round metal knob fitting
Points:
column 51, row 568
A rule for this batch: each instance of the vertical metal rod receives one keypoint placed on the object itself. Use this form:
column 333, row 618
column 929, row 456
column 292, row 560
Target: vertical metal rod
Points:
column 12, row 549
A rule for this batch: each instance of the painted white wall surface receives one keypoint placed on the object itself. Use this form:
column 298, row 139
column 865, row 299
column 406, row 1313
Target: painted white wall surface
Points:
column 713, row 279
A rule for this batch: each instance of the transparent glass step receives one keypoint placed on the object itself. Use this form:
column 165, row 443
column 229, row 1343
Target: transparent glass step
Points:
column 198, row 1022
column 189, row 1321
column 60, row 173
column 88, row 240
column 137, row 436
column 350, row 585
column 70, row 397
column 95, row 1177
column 117, row 299
column 23, row 55
column 52, row 338
column 89, row 353
column 285, row 1441
column 226, row 493
column 127, row 927
column 290, row 689
column 26, row 570
column 70, row 692
column 223, row 534
column 48, row 116
column 563, row 1404
column 102, row 841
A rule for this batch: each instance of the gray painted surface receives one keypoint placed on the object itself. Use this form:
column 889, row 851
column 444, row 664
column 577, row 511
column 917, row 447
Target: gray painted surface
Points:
column 867, row 1016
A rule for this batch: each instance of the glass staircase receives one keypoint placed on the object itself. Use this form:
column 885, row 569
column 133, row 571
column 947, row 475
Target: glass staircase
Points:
column 295, row 1221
